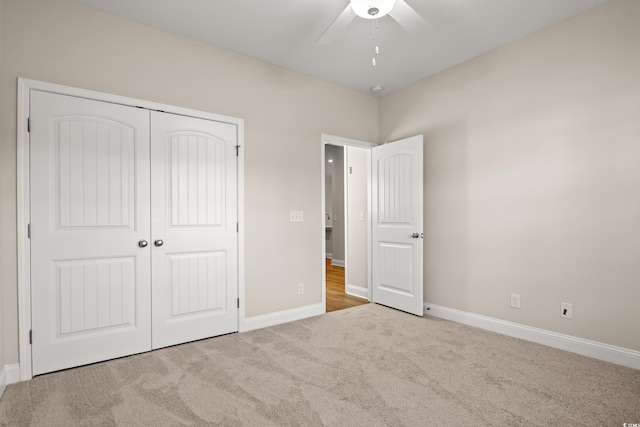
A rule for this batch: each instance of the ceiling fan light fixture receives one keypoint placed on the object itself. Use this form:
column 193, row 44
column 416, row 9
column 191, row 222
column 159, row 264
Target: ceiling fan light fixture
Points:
column 372, row 9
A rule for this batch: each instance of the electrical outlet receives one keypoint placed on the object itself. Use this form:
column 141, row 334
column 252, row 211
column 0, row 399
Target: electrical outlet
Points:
column 566, row 310
column 515, row 300
column 300, row 288
column 296, row 216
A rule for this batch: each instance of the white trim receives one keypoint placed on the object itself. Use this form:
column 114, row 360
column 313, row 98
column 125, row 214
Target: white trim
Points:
column 4, row 381
column 323, row 208
column 369, row 230
column 27, row 85
column 13, row 373
column 337, row 263
column 357, row 291
column 345, row 212
column 9, row 374
column 24, row 260
column 341, row 142
column 277, row 318
column 608, row 353
column 241, row 234
column 24, row 244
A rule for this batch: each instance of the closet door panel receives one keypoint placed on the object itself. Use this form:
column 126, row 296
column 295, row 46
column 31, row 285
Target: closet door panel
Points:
column 90, row 280
column 194, row 215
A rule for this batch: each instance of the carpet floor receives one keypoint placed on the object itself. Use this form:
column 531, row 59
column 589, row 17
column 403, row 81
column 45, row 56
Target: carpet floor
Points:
column 364, row 366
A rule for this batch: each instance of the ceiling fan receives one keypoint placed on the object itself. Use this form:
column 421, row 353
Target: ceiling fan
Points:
column 399, row 10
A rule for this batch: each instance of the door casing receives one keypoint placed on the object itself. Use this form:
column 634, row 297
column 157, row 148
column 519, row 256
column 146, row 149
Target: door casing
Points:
column 23, row 196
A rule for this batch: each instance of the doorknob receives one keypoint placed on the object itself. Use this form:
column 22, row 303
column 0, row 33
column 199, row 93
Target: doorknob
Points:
column 416, row 235
column 158, row 243
column 143, row 243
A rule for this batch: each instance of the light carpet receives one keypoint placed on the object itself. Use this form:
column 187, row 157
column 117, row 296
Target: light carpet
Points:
column 365, row 366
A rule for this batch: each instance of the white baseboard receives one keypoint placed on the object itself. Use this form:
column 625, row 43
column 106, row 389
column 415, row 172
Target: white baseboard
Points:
column 271, row 319
column 9, row 374
column 4, row 381
column 337, row 262
column 357, row 291
column 608, row 353
column 329, row 255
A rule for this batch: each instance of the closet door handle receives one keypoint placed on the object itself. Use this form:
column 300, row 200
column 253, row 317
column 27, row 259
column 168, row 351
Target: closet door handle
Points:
column 158, row 243
column 143, row 243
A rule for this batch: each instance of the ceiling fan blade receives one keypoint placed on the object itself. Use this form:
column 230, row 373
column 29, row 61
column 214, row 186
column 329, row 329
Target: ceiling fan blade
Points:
column 409, row 19
column 337, row 26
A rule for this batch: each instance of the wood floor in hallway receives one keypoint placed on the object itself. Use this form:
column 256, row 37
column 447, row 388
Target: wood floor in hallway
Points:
column 337, row 299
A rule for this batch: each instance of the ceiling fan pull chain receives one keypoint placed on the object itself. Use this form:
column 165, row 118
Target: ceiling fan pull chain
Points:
column 376, row 50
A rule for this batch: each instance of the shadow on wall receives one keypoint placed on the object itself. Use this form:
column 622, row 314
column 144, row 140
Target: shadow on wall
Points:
column 446, row 215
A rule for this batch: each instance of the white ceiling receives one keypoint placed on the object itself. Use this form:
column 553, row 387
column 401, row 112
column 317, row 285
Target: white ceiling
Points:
column 284, row 33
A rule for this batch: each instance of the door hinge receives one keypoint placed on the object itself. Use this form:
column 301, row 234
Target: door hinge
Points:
column 28, row 124
column 237, row 150
column 238, row 302
column 237, row 227
column 30, row 336
column 29, row 231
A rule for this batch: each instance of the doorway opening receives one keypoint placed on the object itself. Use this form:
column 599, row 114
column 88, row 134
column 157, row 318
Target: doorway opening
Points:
column 346, row 225
column 336, row 296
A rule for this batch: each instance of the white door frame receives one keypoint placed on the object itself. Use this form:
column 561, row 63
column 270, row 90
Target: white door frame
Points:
column 23, row 195
column 341, row 142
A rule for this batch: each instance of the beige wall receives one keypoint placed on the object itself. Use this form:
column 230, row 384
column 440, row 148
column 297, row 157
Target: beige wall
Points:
column 532, row 177
column 285, row 113
column 357, row 201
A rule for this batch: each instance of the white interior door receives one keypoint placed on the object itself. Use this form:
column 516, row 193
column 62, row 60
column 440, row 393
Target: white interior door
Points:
column 90, row 283
column 194, row 223
column 397, row 197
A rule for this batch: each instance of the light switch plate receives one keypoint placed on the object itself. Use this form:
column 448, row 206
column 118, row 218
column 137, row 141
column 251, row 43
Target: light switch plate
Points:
column 515, row 300
column 296, row 216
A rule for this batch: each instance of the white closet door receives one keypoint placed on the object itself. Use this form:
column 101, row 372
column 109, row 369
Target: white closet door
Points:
column 194, row 217
column 90, row 287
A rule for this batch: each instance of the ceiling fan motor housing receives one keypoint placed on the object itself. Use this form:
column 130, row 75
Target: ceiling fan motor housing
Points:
column 372, row 9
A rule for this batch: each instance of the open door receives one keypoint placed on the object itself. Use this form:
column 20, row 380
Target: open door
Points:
column 397, row 243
